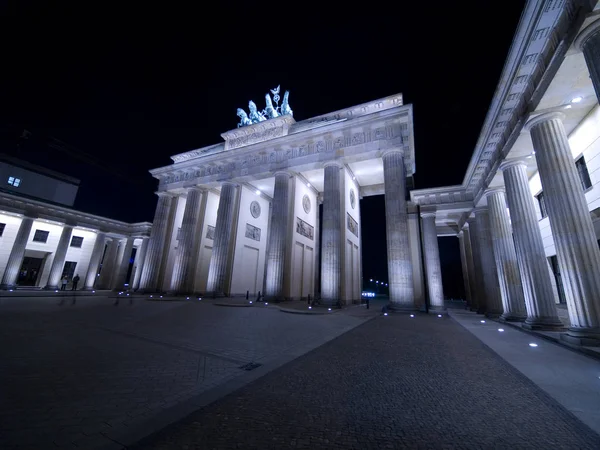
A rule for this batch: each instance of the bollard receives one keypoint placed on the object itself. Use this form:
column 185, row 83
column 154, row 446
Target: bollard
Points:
column 309, row 299
column 247, row 294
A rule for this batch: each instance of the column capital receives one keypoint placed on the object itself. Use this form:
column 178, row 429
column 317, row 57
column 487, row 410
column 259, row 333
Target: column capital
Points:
column 428, row 214
column 163, row 194
column 284, row 172
column 460, row 234
column 195, row 187
column 585, row 34
column 544, row 117
column 481, row 209
column 391, row 151
column 427, row 211
column 337, row 164
column 230, row 183
column 511, row 162
column 489, row 192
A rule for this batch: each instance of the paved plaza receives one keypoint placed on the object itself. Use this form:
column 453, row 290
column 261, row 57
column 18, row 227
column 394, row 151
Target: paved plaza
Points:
column 171, row 375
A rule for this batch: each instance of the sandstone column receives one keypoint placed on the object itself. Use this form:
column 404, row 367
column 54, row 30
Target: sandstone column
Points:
column 535, row 278
column 186, row 249
column 588, row 42
column 140, row 258
column 158, row 235
column 396, row 217
column 464, row 267
column 331, row 245
column 123, row 265
column 97, row 252
column 477, row 287
column 507, row 266
column 278, row 236
column 572, row 229
column 58, row 263
column 219, row 261
column 493, row 298
column 433, row 270
column 15, row 259
column 108, row 265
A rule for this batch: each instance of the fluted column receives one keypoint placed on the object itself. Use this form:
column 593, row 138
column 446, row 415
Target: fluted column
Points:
column 58, row 263
column 477, row 289
column 108, row 265
column 331, row 246
column 535, row 278
column 158, row 236
column 400, row 273
column 123, row 265
column 588, row 42
column 140, row 259
column 572, row 229
column 465, row 267
column 280, row 224
column 433, row 270
column 186, row 248
column 217, row 272
column 505, row 254
column 15, row 259
column 97, row 252
column 493, row 299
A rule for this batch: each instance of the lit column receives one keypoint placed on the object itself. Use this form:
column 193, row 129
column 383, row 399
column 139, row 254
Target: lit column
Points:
column 280, row 224
column 493, row 298
column 15, row 259
column 588, row 42
column 58, row 263
column 572, row 229
column 507, row 266
column 108, row 265
column 535, row 277
column 140, row 258
column 464, row 266
column 158, row 236
column 317, row 281
column 219, row 262
column 331, row 246
column 396, row 217
column 433, row 270
column 97, row 252
column 186, row 249
column 477, row 287
column 123, row 265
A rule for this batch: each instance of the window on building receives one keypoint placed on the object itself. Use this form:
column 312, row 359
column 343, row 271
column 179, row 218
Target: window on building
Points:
column 584, row 175
column 76, row 241
column 2, row 225
column 40, row 236
column 14, row 181
column 542, row 203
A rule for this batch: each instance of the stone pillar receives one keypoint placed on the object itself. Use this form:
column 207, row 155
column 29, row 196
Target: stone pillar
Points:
column 477, row 288
column 493, row 298
column 464, row 267
column 219, row 261
column 158, row 236
column 58, row 263
column 187, row 248
column 588, row 42
column 97, row 252
column 317, row 264
column 468, row 241
column 535, row 278
column 433, row 270
column 278, row 237
column 15, row 259
column 331, row 246
column 400, row 273
column 123, row 265
column 572, row 229
column 140, row 258
column 507, row 266
column 108, row 265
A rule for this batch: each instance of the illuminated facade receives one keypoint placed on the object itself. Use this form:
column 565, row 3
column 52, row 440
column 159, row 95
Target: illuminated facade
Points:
column 528, row 211
column 42, row 239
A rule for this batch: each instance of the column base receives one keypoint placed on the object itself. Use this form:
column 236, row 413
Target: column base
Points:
column 331, row 302
column 402, row 308
column 6, row 287
column 89, row 289
column 436, row 309
column 544, row 324
column 481, row 310
column 49, row 287
column 493, row 314
column 589, row 337
column 511, row 317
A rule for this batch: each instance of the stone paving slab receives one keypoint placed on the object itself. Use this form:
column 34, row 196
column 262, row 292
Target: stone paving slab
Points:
column 393, row 382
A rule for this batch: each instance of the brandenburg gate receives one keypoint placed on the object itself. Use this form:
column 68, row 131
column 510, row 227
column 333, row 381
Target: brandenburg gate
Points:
column 243, row 215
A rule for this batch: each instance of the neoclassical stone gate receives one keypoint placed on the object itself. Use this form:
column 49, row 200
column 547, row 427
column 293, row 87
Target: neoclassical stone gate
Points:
column 243, row 215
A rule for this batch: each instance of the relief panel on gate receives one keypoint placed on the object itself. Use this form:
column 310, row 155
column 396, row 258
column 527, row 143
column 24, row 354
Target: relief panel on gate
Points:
column 352, row 225
column 210, row 232
column 305, row 229
column 252, row 232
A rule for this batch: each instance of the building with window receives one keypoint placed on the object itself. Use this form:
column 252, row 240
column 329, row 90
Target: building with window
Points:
column 42, row 239
column 527, row 214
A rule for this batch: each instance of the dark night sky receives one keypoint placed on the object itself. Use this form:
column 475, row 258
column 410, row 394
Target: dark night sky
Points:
column 124, row 89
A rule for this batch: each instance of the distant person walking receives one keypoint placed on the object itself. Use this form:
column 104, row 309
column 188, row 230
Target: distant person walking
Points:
column 63, row 283
column 75, row 281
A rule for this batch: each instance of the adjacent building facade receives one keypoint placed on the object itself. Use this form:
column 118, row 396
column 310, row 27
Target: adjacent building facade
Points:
column 527, row 214
column 42, row 239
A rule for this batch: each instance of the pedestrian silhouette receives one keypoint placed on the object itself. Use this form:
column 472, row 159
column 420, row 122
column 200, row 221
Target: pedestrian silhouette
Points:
column 75, row 281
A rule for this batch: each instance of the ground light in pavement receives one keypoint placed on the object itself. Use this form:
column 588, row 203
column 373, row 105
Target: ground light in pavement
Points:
column 501, row 330
column 533, row 344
